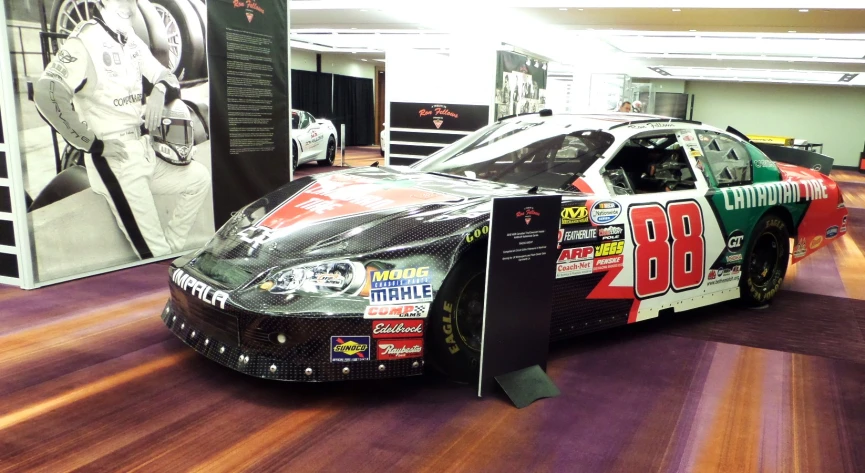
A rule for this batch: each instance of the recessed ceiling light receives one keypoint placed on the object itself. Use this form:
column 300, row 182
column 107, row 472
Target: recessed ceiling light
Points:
column 677, row 9
column 803, row 10
column 692, row 31
column 362, row 9
column 354, row 52
column 364, row 60
column 580, row 9
column 354, row 28
column 792, row 31
column 563, row 9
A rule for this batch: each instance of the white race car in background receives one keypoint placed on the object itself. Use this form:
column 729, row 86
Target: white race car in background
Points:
column 311, row 139
column 383, row 138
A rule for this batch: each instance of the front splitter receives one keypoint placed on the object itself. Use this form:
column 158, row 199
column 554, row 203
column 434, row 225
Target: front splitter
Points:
column 281, row 369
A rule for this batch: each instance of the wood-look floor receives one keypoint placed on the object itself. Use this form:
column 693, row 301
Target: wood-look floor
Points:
column 91, row 380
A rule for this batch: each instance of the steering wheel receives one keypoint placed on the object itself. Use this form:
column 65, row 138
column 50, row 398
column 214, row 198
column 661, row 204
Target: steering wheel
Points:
column 620, row 180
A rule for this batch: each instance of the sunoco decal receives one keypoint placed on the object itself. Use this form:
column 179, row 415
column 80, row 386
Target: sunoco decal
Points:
column 402, row 311
column 605, row 212
column 199, row 289
column 349, row 348
column 401, row 286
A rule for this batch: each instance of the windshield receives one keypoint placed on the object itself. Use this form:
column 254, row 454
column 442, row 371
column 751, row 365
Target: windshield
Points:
column 526, row 152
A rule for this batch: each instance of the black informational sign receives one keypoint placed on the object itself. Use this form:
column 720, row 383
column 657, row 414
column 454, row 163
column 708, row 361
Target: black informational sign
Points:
column 521, row 267
column 437, row 116
column 249, row 116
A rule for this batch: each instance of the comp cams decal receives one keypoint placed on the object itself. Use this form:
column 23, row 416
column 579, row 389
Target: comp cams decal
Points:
column 349, row 348
column 401, row 286
column 400, row 311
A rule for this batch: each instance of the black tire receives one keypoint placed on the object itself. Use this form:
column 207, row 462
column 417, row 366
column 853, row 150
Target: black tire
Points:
column 191, row 37
column 330, row 153
column 382, row 152
column 765, row 263
column 456, row 318
column 294, row 156
column 201, row 9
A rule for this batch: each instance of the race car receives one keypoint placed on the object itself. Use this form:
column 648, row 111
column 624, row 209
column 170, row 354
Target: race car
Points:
column 373, row 272
column 312, row 139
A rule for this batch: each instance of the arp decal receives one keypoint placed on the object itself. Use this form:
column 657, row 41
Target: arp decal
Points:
column 660, row 265
column 604, row 212
column 575, row 262
column 400, row 286
column 399, row 349
column 574, row 215
column 403, row 311
column 338, row 196
column 397, row 328
column 349, row 348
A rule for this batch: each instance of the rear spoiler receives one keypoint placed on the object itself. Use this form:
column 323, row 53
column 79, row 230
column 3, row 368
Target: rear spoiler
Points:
column 783, row 154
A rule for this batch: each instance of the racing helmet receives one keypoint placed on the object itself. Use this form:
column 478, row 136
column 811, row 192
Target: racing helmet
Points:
column 173, row 140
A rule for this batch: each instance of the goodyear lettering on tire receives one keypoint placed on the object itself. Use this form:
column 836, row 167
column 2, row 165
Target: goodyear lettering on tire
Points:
column 478, row 233
column 447, row 327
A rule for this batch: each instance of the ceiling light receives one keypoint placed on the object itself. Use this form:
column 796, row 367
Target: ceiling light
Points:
column 362, row 9
column 364, row 60
column 792, row 31
column 563, row 9
column 354, row 28
column 677, row 9
column 354, row 52
column 580, row 9
column 803, row 10
column 692, row 31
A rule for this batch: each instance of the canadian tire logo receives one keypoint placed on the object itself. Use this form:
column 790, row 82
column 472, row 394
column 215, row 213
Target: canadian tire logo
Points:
column 437, row 121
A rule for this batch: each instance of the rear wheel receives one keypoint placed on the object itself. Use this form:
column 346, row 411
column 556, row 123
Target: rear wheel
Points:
column 294, row 157
column 765, row 263
column 456, row 320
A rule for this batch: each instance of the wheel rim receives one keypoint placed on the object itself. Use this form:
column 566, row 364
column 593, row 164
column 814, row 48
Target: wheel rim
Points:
column 764, row 259
column 172, row 32
column 73, row 12
column 331, row 151
column 469, row 312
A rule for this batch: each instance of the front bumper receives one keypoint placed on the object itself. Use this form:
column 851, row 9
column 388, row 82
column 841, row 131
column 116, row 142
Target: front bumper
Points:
column 250, row 343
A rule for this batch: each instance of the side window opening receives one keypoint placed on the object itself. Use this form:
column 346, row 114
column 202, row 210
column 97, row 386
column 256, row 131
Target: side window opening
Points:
column 728, row 159
column 650, row 164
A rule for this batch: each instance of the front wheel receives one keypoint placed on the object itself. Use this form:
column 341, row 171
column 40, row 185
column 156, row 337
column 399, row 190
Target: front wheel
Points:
column 294, row 157
column 330, row 154
column 456, row 320
column 765, row 262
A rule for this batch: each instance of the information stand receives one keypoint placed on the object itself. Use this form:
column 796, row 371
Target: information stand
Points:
column 518, row 302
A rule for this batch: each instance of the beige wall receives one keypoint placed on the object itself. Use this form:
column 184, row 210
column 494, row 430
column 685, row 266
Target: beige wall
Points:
column 832, row 115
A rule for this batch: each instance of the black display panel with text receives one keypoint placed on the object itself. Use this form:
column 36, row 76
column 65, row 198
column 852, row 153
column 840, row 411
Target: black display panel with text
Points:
column 248, row 62
column 418, row 130
column 520, row 274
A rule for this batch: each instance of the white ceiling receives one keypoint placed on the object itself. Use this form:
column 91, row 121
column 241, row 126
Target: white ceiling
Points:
column 755, row 40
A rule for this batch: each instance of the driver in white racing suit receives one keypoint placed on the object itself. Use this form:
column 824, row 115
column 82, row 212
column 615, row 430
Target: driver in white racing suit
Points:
column 92, row 93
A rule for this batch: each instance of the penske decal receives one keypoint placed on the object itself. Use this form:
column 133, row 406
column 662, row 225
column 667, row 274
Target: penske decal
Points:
column 339, row 196
column 199, row 289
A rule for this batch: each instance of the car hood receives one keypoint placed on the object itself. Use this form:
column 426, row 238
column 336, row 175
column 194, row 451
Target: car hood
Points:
column 362, row 213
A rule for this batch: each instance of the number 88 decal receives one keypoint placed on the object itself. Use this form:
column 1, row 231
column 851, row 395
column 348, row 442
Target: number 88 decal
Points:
column 667, row 241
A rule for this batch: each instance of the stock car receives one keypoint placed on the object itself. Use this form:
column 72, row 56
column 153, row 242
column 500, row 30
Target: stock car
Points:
column 312, row 139
column 376, row 272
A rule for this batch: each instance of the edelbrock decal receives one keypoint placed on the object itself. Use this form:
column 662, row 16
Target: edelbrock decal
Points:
column 199, row 289
column 400, row 328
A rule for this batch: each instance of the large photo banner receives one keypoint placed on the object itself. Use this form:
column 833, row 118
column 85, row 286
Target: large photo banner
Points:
column 521, row 84
column 112, row 100
column 248, row 58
